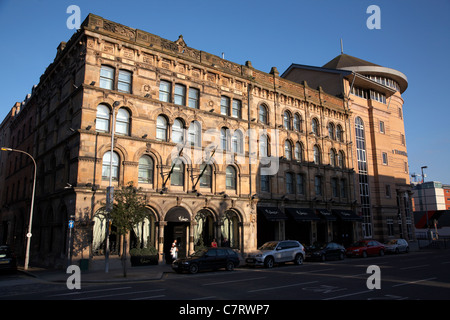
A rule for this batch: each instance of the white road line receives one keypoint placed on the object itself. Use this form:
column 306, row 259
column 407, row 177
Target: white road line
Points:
column 412, row 282
column 232, row 281
column 205, row 298
column 86, row 292
column 281, row 287
column 348, row 295
column 313, row 271
column 152, row 297
column 414, row 267
column 119, row 294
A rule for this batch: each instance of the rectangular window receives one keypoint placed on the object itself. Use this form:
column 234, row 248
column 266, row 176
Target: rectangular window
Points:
column 225, row 106
column 385, row 158
column 381, row 126
column 388, row 191
column 343, row 189
column 400, row 113
column 165, row 89
column 180, row 95
column 289, row 183
column 124, row 81
column 107, row 77
column 194, row 95
column 318, row 185
column 402, row 138
column 334, row 187
column 265, row 186
column 237, row 106
column 300, row 185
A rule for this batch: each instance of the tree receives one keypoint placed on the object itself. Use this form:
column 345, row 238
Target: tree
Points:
column 128, row 210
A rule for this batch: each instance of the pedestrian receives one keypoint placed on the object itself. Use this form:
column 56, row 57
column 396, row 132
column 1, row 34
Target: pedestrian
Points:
column 174, row 250
column 214, row 243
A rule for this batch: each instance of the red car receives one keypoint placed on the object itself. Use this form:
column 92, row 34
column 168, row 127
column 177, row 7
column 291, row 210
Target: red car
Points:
column 364, row 248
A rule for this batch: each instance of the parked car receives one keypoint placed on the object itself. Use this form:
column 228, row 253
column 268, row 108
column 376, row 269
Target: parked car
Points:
column 397, row 246
column 364, row 248
column 210, row 258
column 276, row 252
column 325, row 251
column 7, row 258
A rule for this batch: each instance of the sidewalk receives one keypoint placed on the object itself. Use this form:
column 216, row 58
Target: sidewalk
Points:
column 141, row 273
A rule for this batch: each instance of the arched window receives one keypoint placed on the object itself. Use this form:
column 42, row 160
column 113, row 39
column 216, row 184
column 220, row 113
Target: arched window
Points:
column 315, row 126
column 123, row 122
column 102, row 119
column 288, row 150
column 145, row 169
column 178, row 131
column 237, row 142
column 341, row 159
column 195, row 134
column 298, row 152
column 316, row 151
column 177, row 177
column 230, row 230
column 161, row 128
column 114, row 172
column 297, row 122
column 287, row 120
column 331, row 131
column 332, row 157
column 231, row 178
column 263, row 116
column 206, row 178
column 339, row 136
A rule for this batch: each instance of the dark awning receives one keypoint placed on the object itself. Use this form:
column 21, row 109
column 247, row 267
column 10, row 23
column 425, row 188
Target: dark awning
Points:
column 346, row 215
column 325, row 214
column 302, row 214
column 272, row 213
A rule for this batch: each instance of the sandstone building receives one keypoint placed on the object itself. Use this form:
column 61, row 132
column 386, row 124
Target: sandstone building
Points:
column 220, row 150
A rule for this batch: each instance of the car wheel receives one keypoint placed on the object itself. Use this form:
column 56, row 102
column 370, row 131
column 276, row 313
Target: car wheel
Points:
column 229, row 266
column 364, row 254
column 381, row 253
column 193, row 268
column 268, row 263
column 298, row 259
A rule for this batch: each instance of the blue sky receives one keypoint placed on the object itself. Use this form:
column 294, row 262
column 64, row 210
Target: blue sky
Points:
column 414, row 38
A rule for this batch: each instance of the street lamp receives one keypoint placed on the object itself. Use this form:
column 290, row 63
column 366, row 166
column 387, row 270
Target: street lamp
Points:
column 424, row 195
column 27, row 253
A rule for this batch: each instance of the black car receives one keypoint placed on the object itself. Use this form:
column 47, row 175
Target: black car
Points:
column 7, row 258
column 207, row 259
column 325, row 251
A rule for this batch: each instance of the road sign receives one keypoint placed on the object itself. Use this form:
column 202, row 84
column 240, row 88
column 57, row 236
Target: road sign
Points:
column 71, row 224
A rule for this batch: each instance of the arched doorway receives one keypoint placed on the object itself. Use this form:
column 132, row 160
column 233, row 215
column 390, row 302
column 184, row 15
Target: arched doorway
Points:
column 143, row 235
column 230, row 235
column 178, row 221
column 204, row 229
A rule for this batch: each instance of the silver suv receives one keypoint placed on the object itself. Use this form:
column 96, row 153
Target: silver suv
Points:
column 275, row 252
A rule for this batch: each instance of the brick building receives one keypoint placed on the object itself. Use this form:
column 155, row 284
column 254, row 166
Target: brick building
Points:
column 220, row 150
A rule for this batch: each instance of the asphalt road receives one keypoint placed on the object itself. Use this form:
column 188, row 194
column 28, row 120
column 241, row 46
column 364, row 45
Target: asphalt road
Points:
column 422, row 275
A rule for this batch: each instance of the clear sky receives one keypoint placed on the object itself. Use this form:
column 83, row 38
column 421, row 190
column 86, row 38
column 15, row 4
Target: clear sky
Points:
column 414, row 38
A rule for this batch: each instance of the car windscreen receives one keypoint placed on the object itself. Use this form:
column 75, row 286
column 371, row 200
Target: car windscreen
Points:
column 199, row 253
column 268, row 246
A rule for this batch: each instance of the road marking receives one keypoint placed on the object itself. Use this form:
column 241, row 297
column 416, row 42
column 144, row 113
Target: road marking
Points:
column 414, row 267
column 152, row 297
column 281, row 287
column 205, row 298
column 231, row 281
column 119, row 294
column 412, row 282
column 306, row 272
column 348, row 295
column 86, row 292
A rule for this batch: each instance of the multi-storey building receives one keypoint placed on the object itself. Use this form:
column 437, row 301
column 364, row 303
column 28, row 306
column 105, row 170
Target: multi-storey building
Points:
column 219, row 150
column 372, row 95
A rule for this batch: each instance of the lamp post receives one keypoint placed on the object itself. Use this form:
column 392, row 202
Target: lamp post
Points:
column 27, row 253
column 424, row 194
